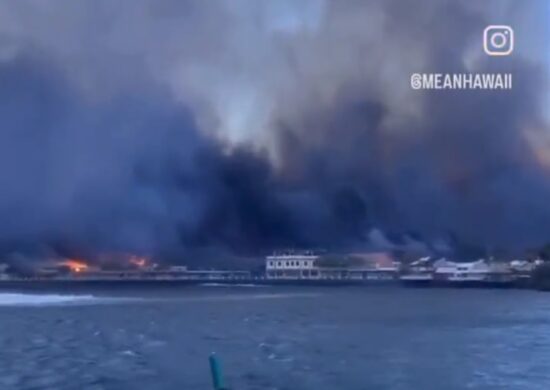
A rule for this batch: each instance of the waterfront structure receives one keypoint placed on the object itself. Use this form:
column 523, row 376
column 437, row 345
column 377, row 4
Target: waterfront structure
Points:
column 419, row 272
column 523, row 271
column 310, row 266
column 524, row 267
column 426, row 271
column 304, row 268
column 152, row 273
column 475, row 272
column 445, row 270
column 171, row 273
column 292, row 266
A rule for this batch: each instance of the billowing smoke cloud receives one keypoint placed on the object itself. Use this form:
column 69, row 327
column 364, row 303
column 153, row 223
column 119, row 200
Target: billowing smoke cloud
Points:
column 171, row 128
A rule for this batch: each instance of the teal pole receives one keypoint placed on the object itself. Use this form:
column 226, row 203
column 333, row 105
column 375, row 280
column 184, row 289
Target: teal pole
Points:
column 216, row 371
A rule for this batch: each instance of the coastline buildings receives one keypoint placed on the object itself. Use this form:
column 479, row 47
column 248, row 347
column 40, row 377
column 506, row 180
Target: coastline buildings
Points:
column 309, row 266
column 419, row 272
column 173, row 273
column 291, row 266
column 92, row 273
column 300, row 268
column 473, row 273
column 480, row 273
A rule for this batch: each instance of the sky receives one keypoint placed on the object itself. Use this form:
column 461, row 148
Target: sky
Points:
column 179, row 128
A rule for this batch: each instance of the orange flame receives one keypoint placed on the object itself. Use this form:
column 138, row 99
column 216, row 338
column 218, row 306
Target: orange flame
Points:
column 138, row 261
column 75, row 265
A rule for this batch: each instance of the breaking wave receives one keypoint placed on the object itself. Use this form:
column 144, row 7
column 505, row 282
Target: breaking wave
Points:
column 231, row 285
column 246, row 297
column 17, row 299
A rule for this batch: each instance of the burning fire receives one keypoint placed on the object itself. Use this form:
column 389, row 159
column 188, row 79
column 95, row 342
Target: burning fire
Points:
column 139, row 262
column 75, row 265
column 122, row 261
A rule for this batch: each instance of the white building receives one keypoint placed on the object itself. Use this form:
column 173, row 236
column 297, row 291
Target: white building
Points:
column 525, row 266
column 420, row 270
column 364, row 266
column 452, row 271
column 291, row 266
column 479, row 270
column 291, row 262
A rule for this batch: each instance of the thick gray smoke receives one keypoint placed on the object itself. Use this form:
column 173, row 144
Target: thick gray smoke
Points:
column 175, row 127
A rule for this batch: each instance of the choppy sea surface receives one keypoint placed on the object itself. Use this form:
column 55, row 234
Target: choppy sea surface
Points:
column 275, row 338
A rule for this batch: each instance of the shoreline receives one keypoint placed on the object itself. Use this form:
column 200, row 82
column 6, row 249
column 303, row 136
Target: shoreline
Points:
column 167, row 283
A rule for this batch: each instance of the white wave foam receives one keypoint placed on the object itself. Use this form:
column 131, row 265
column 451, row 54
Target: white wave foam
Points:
column 245, row 297
column 231, row 285
column 17, row 299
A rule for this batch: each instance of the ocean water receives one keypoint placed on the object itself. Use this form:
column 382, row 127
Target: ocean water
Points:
column 275, row 338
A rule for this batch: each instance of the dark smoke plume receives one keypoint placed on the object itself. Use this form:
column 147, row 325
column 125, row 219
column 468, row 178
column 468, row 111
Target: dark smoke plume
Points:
column 179, row 128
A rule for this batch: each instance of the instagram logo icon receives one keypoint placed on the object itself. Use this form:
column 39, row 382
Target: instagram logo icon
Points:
column 498, row 40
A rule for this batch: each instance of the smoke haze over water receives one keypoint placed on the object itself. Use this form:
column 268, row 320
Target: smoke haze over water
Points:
column 167, row 128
